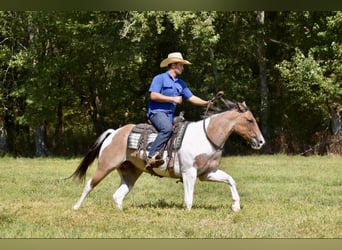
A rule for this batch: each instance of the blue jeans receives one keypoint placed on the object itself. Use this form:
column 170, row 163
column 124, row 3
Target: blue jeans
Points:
column 164, row 126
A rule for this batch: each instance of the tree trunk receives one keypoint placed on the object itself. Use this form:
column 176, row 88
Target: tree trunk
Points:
column 58, row 135
column 215, row 72
column 3, row 138
column 264, row 91
column 96, row 116
column 336, row 121
column 41, row 146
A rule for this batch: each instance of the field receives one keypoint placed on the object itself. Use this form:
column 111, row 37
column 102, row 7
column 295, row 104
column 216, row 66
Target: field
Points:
column 281, row 197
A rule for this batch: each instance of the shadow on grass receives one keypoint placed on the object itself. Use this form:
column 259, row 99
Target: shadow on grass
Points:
column 163, row 204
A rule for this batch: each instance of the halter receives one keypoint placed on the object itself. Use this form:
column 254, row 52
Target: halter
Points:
column 217, row 147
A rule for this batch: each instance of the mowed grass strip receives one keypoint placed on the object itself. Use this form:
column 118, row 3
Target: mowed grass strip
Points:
column 281, row 197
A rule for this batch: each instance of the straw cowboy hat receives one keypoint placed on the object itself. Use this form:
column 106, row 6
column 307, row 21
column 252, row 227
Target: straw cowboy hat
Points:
column 174, row 57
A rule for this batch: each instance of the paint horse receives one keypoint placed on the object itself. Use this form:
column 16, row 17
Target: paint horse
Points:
column 197, row 158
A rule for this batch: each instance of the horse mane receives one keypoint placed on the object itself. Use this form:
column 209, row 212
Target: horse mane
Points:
column 222, row 105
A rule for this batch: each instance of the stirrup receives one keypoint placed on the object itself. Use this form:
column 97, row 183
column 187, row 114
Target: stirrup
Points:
column 154, row 162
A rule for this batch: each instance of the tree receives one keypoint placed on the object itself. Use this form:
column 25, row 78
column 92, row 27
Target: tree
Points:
column 309, row 87
column 12, row 58
column 315, row 78
column 68, row 75
column 4, row 51
column 264, row 91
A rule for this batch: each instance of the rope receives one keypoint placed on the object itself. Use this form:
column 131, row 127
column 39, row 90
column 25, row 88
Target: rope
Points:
column 219, row 94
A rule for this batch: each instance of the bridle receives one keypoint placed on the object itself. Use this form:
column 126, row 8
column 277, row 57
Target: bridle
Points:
column 217, row 147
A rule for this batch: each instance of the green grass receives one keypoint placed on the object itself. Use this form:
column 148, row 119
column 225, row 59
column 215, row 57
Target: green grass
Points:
column 281, row 197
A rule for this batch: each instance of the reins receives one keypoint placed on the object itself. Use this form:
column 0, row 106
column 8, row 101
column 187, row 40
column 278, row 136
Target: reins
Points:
column 219, row 95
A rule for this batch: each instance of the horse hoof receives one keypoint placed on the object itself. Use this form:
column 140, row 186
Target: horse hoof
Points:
column 235, row 208
column 188, row 208
column 75, row 207
column 118, row 206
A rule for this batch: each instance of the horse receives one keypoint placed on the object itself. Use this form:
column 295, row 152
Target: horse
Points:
column 197, row 158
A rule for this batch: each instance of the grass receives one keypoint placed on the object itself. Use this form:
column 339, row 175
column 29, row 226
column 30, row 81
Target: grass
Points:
column 281, row 197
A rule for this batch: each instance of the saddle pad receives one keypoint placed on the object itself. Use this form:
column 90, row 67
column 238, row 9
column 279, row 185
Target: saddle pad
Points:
column 135, row 137
column 134, row 140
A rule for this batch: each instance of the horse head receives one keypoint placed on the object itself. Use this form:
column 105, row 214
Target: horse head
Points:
column 247, row 127
column 234, row 118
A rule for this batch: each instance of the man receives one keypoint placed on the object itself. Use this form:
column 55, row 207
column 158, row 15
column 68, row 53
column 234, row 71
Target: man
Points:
column 166, row 91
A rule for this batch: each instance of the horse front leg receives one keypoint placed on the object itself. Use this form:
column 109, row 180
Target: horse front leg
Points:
column 221, row 176
column 189, row 180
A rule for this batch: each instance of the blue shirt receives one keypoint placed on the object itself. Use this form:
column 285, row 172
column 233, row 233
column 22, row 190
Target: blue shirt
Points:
column 164, row 84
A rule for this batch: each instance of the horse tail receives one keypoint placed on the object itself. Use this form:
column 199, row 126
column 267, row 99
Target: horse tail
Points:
column 80, row 172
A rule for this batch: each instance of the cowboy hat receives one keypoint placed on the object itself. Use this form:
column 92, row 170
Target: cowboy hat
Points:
column 174, row 57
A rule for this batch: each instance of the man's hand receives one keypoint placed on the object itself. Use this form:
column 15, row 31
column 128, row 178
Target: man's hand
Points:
column 177, row 99
column 210, row 104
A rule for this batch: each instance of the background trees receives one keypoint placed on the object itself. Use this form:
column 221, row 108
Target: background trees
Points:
column 67, row 76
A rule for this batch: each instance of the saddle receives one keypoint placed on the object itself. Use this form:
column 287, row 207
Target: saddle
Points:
column 143, row 135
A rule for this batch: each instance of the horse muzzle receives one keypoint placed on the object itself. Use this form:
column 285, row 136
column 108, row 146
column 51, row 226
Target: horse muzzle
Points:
column 257, row 142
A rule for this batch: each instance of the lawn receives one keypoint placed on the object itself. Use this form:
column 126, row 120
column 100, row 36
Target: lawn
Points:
column 281, row 197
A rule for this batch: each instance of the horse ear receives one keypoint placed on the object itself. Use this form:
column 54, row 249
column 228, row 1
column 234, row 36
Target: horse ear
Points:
column 240, row 106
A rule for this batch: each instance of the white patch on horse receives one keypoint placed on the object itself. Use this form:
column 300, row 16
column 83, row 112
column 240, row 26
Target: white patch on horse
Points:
column 108, row 140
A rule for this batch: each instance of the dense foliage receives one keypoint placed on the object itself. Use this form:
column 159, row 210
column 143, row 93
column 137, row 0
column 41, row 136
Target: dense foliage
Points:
column 67, row 76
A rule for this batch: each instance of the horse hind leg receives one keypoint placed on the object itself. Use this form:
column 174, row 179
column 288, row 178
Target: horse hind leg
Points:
column 112, row 154
column 98, row 176
column 129, row 174
column 87, row 189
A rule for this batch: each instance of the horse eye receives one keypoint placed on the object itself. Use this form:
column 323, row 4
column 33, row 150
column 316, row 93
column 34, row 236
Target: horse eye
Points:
column 250, row 120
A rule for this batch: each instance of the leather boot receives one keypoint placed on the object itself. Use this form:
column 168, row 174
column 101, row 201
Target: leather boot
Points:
column 154, row 162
